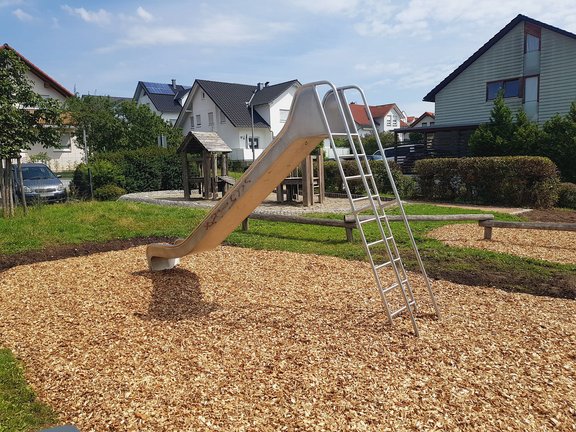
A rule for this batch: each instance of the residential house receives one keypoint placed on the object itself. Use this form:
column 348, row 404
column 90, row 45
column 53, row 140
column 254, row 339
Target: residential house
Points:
column 239, row 113
column 386, row 117
column 426, row 119
column 68, row 155
column 166, row 100
column 532, row 62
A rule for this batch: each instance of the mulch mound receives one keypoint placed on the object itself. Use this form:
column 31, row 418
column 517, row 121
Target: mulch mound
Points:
column 238, row 339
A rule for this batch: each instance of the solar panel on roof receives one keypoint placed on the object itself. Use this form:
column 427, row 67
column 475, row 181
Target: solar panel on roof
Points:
column 159, row 88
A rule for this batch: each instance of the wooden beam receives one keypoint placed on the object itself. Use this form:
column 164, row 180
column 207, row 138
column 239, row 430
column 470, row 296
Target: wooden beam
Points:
column 552, row 226
column 429, row 218
column 185, row 174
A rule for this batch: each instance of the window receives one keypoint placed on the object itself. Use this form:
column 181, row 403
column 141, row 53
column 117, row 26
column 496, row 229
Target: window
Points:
column 284, row 115
column 65, row 143
column 256, row 142
column 395, row 122
column 432, row 123
column 389, row 120
column 532, row 35
column 203, row 95
column 222, row 117
column 511, row 88
column 424, row 124
column 531, row 89
column 192, row 121
column 198, row 120
column 210, row 119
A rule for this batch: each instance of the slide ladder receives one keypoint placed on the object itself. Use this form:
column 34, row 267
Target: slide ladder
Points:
column 369, row 210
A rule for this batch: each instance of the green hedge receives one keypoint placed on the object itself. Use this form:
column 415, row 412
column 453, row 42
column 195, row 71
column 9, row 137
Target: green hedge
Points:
column 406, row 185
column 141, row 170
column 567, row 195
column 515, row 181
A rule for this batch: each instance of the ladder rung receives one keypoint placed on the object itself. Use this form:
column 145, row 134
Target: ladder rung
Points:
column 374, row 243
column 387, row 263
column 372, row 219
column 402, row 309
column 363, row 198
column 358, row 177
column 395, row 285
column 354, row 134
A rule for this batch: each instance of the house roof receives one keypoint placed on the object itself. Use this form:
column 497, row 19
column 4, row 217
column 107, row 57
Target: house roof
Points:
column 377, row 111
column 196, row 142
column 431, row 96
column 424, row 115
column 165, row 97
column 40, row 73
column 232, row 99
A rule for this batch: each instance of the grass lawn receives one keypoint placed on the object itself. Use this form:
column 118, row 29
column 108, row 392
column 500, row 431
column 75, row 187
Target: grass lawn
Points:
column 19, row 409
column 77, row 223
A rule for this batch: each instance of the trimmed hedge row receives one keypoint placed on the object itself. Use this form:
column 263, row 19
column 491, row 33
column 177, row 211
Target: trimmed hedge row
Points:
column 515, row 180
column 406, row 185
column 141, row 170
column 567, row 195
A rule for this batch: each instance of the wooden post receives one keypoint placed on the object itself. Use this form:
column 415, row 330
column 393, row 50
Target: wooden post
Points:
column 214, row 163
column 185, row 174
column 206, row 171
column 245, row 225
column 21, row 181
column 321, row 184
column 307, row 182
column 280, row 193
column 487, row 233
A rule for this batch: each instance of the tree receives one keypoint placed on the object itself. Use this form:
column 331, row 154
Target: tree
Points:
column 493, row 138
column 559, row 143
column 25, row 118
column 118, row 125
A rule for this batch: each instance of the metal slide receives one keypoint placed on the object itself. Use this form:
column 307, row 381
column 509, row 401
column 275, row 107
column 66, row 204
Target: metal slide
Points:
column 304, row 130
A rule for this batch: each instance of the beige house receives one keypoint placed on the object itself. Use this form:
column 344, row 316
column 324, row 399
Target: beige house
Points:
column 68, row 155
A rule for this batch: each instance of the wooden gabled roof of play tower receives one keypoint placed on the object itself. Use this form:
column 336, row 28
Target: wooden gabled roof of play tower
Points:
column 197, row 142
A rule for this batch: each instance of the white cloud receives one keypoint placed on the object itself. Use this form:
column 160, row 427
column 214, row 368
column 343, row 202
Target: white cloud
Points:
column 100, row 17
column 215, row 31
column 144, row 14
column 423, row 17
column 346, row 7
column 21, row 15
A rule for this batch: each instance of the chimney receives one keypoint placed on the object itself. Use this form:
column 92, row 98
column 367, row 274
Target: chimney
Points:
column 260, row 86
column 173, row 83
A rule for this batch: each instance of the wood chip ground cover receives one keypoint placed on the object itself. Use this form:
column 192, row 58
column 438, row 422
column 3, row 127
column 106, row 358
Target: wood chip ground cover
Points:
column 556, row 246
column 238, row 339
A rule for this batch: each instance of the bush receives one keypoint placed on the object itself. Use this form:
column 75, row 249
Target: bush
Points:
column 147, row 169
column 515, row 181
column 110, row 192
column 103, row 173
column 567, row 195
column 406, row 185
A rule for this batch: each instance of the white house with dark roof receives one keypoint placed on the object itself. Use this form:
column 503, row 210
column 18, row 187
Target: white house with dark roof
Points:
column 166, row 100
column 426, row 119
column 532, row 62
column 226, row 108
column 68, row 155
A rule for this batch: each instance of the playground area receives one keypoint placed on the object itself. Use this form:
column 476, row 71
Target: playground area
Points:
column 240, row 339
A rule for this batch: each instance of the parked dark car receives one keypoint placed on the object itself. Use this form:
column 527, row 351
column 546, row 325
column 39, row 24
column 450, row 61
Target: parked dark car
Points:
column 394, row 152
column 40, row 184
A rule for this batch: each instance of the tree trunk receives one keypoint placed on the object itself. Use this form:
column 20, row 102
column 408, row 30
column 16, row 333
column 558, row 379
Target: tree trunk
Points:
column 21, row 182
column 3, row 189
column 6, row 186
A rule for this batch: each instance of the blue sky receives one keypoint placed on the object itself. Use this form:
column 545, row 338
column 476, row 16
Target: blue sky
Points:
column 397, row 51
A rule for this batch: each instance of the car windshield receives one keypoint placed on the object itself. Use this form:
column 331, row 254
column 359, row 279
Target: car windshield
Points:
column 36, row 173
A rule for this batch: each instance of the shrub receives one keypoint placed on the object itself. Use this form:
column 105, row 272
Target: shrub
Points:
column 109, row 192
column 406, row 185
column 103, row 173
column 147, row 169
column 40, row 157
column 567, row 195
column 517, row 181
